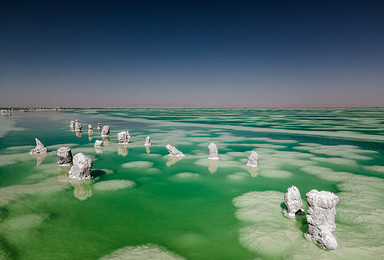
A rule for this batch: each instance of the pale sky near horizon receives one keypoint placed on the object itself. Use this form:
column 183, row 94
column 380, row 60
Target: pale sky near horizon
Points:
column 191, row 53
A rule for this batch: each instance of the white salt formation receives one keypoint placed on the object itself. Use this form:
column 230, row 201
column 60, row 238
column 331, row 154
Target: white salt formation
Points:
column 40, row 148
column 253, row 159
column 64, row 156
column 78, row 126
column 90, row 130
column 148, row 141
column 321, row 217
column 98, row 143
column 105, row 131
column 123, row 137
column 213, row 152
column 72, row 124
column 173, row 151
column 98, row 126
column 81, row 168
column 293, row 201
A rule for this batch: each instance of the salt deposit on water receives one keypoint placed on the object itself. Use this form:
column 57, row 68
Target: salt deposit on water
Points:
column 142, row 205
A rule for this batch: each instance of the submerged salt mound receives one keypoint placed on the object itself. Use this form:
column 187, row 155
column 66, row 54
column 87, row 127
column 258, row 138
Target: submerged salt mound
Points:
column 148, row 251
column 268, row 232
column 137, row 164
column 40, row 148
column 114, row 185
column 186, row 176
column 321, row 217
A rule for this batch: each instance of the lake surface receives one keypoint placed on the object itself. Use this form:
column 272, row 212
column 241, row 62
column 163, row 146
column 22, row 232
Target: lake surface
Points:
column 140, row 203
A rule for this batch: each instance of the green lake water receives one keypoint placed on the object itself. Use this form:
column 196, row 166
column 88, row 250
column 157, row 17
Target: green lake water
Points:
column 193, row 208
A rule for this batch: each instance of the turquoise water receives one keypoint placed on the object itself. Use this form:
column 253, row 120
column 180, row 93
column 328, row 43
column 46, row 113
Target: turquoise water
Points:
column 141, row 204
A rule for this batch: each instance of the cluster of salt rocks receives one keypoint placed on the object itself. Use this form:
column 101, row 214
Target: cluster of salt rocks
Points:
column 322, row 204
column 320, row 216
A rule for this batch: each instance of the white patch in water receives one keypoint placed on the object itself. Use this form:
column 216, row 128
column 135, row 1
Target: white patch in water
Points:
column 275, row 173
column 113, row 185
column 138, row 164
column 148, row 251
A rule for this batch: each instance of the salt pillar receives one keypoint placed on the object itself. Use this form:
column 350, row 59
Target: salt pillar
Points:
column 40, row 148
column 293, row 201
column 321, row 217
column 105, row 131
column 213, row 152
column 81, row 168
column 253, row 159
column 90, row 130
column 123, row 137
column 148, row 141
column 78, row 126
column 64, row 156
column 173, row 151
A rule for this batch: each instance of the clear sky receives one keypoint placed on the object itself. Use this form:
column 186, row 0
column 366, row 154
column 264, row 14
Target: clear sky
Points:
column 191, row 53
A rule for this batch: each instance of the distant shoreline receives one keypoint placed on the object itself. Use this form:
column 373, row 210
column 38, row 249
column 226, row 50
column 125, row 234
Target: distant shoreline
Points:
column 31, row 109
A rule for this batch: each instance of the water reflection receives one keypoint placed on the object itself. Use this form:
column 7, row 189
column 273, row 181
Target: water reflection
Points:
column 82, row 188
column 147, row 148
column 90, row 137
column 122, row 149
column 98, row 149
column 79, row 133
column 39, row 157
column 253, row 171
column 106, row 140
column 212, row 167
column 173, row 159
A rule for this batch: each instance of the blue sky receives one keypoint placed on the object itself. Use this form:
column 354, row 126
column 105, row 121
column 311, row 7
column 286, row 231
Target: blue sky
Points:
column 191, row 53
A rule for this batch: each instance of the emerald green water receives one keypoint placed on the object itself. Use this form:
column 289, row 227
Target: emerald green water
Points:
column 188, row 209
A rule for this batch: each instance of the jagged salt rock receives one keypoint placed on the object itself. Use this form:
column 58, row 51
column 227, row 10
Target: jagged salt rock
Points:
column 81, row 168
column 99, row 143
column 72, row 124
column 293, row 201
column 253, row 159
column 321, row 218
column 98, row 126
column 90, row 130
column 78, row 126
column 173, row 151
column 213, row 152
column 148, row 141
column 40, row 148
column 123, row 137
column 64, row 156
column 105, row 131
